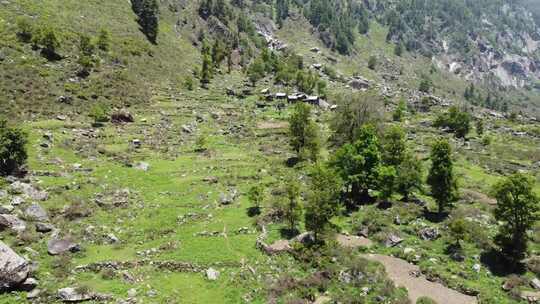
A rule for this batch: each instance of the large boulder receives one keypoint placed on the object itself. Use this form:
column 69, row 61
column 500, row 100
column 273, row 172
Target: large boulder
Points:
column 13, row 268
column 122, row 116
column 59, row 246
column 8, row 221
column 29, row 191
column 36, row 212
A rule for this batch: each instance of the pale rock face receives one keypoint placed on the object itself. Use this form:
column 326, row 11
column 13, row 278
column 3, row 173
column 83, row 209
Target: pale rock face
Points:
column 13, row 268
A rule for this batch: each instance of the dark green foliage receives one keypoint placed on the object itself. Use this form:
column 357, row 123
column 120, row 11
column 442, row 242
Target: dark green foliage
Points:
column 335, row 21
column 304, row 133
column 394, row 146
column 398, row 50
column 441, row 177
column 207, row 69
column 104, row 40
column 358, row 163
column 282, row 11
column 354, row 111
column 256, row 71
column 400, row 111
column 86, row 46
column 256, row 195
column 387, row 178
column 456, row 120
column 24, row 29
column 425, row 300
column 409, row 175
column 425, row 85
column 293, row 208
column 12, row 148
column 147, row 12
column 372, row 62
column 518, row 208
column 458, row 230
column 99, row 113
column 188, row 83
column 47, row 38
column 480, row 127
column 322, row 200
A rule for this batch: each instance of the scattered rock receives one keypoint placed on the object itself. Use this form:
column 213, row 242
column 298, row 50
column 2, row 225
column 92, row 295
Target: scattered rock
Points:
column 70, row 294
column 187, row 129
column 144, row 166
column 476, row 267
column 36, row 212
column 535, row 283
column 16, row 201
column 33, row 294
column 29, row 191
column 212, row 274
column 132, row 293
column 8, row 221
column 29, row 284
column 44, row 227
column 122, row 116
column 429, row 234
column 112, row 239
column 58, row 246
column 392, row 240
column 6, row 209
column 13, row 268
column 228, row 198
column 353, row 241
column 408, row 251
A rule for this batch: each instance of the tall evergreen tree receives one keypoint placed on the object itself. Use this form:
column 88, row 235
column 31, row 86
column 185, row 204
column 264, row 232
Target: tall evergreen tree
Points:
column 441, row 175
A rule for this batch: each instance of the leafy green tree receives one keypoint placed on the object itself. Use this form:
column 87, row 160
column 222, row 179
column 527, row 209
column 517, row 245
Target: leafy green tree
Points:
column 322, row 199
column 256, row 195
column 441, row 175
column 99, row 113
column 304, row 132
column 293, row 206
column 518, row 208
column 409, row 175
column 358, row 163
column 12, row 148
column 387, row 176
column 456, row 120
column 458, row 230
column 394, row 146
column 400, row 111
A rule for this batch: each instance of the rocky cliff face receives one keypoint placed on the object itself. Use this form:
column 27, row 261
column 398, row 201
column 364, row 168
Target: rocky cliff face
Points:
column 495, row 42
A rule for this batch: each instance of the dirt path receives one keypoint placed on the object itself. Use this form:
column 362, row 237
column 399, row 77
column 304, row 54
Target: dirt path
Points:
column 399, row 271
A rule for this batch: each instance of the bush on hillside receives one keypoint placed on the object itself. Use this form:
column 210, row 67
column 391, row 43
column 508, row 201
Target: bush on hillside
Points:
column 12, row 148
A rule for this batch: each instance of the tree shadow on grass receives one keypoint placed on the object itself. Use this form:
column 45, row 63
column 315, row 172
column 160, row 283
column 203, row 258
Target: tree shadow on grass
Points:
column 498, row 265
column 288, row 233
column 253, row 211
column 434, row 217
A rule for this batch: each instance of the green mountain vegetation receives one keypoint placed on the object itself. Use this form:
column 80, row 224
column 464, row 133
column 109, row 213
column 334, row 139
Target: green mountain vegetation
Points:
column 269, row 151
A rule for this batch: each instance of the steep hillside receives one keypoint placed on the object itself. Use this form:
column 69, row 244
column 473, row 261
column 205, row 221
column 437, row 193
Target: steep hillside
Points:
column 269, row 151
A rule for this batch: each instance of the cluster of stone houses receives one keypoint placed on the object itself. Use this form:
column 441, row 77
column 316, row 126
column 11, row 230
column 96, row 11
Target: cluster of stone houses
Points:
column 297, row 97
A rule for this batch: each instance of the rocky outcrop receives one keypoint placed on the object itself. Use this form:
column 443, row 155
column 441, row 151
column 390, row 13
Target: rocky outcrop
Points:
column 13, row 268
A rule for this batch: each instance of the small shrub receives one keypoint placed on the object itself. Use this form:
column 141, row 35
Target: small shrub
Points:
column 47, row 38
column 425, row 300
column 188, row 83
column 61, row 266
column 99, row 113
column 12, row 148
column 108, row 274
column 201, row 143
column 24, row 29
column 104, row 40
column 372, row 62
column 77, row 210
column 486, row 140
